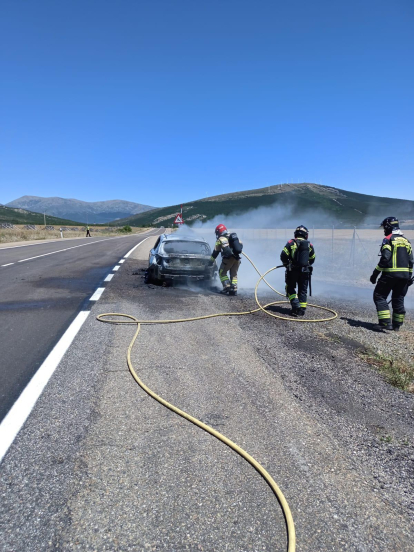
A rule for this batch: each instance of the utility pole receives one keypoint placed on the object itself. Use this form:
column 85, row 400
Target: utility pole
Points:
column 44, row 217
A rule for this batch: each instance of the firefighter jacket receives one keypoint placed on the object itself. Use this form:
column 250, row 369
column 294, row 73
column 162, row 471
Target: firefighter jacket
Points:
column 222, row 246
column 396, row 256
column 288, row 255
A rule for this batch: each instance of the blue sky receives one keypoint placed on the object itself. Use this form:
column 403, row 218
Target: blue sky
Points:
column 165, row 101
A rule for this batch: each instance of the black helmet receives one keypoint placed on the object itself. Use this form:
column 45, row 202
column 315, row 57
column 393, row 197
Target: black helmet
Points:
column 389, row 224
column 301, row 232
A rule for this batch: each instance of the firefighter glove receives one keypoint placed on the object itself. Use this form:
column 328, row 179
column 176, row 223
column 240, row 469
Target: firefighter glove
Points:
column 374, row 276
column 310, row 269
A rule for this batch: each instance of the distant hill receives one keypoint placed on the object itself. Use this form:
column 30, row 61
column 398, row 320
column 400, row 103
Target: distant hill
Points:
column 21, row 216
column 321, row 206
column 98, row 212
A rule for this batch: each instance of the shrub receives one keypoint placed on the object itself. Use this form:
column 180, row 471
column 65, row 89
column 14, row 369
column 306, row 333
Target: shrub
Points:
column 125, row 230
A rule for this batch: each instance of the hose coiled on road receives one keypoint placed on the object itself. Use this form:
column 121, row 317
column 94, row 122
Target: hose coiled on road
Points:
column 291, row 536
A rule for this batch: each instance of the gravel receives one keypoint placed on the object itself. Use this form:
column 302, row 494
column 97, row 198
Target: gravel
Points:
column 101, row 466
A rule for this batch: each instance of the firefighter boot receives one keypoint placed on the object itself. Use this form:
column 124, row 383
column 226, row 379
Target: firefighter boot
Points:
column 226, row 290
column 397, row 321
column 233, row 290
column 301, row 312
column 384, row 325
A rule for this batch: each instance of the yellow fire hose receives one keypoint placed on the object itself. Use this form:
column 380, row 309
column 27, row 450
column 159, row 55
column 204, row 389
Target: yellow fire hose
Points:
column 291, row 537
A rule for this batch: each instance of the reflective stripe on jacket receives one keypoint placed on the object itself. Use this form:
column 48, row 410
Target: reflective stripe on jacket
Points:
column 222, row 246
column 396, row 256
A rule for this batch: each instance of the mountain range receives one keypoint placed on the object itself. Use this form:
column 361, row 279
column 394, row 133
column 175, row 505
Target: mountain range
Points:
column 271, row 207
column 96, row 212
column 22, row 216
column 313, row 204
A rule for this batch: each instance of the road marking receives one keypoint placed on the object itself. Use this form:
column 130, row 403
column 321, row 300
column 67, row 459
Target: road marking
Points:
column 66, row 249
column 122, row 260
column 19, row 412
column 117, row 267
column 97, row 294
column 140, row 243
column 30, row 244
column 109, row 277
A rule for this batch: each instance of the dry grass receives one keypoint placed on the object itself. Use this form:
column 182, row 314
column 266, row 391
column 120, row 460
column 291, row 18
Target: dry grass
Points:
column 19, row 233
column 398, row 373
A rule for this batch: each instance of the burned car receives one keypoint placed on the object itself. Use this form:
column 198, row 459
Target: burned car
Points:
column 177, row 257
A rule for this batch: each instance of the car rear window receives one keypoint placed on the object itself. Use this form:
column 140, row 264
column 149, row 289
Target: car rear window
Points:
column 186, row 248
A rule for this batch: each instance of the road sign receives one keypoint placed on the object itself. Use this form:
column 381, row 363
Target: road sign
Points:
column 179, row 219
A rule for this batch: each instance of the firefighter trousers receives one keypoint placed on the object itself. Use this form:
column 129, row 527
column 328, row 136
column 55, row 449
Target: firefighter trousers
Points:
column 293, row 278
column 399, row 287
column 229, row 264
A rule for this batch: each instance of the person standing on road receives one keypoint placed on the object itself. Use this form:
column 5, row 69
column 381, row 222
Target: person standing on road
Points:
column 298, row 256
column 88, row 233
column 230, row 248
column 396, row 269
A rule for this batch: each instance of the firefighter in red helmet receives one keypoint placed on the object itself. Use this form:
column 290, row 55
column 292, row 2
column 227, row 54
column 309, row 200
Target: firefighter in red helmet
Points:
column 230, row 248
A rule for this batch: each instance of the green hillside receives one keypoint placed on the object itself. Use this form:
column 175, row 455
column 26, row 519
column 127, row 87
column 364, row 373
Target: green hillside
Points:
column 21, row 216
column 321, row 206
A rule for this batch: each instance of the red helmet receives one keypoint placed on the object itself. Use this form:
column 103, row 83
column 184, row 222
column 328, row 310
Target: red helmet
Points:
column 220, row 229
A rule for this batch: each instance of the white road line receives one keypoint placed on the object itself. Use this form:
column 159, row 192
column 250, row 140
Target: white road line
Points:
column 117, row 267
column 140, row 243
column 19, row 412
column 30, row 244
column 109, row 277
column 40, row 242
column 8, row 264
column 122, row 260
column 66, row 249
column 97, row 294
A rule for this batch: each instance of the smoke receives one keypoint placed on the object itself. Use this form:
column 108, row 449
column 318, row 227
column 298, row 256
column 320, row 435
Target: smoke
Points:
column 345, row 258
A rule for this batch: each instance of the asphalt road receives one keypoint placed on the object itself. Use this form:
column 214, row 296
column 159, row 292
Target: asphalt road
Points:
column 101, row 466
column 43, row 287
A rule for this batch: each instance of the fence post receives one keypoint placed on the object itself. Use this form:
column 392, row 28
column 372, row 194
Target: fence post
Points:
column 353, row 248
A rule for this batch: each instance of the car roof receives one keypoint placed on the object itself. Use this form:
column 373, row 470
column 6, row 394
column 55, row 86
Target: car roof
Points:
column 174, row 237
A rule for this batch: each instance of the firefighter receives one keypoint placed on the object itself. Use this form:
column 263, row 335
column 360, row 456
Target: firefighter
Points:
column 230, row 248
column 298, row 256
column 396, row 268
column 88, row 232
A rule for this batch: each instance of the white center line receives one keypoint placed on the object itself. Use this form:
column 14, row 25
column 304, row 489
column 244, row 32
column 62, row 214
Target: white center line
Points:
column 19, row 412
column 117, row 267
column 97, row 294
column 74, row 247
column 60, row 250
column 121, row 261
column 109, row 277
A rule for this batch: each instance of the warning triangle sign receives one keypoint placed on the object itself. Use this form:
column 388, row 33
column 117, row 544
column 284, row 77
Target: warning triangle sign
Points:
column 179, row 219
